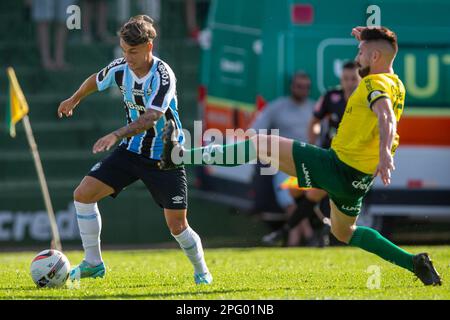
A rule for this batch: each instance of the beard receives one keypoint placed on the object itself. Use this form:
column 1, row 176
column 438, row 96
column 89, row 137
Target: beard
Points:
column 363, row 71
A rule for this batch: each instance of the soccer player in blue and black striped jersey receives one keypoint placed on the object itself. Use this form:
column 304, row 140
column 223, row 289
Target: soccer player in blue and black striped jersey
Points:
column 148, row 86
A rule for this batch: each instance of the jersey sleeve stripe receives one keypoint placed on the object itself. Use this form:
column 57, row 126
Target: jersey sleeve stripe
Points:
column 165, row 83
column 112, row 67
column 155, row 88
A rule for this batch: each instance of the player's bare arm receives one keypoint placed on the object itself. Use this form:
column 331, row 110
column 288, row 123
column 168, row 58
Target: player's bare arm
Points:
column 87, row 87
column 143, row 123
column 387, row 126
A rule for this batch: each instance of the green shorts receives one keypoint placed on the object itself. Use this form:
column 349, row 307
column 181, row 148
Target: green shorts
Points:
column 321, row 168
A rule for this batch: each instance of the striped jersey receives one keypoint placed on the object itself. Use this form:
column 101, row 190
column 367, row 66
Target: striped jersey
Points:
column 156, row 90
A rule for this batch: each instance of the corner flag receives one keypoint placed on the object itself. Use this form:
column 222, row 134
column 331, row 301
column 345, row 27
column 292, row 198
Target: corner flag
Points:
column 17, row 110
column 17, row 106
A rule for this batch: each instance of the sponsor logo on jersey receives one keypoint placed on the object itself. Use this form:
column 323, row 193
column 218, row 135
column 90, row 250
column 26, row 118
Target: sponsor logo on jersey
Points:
column 96, row 166
column 136, row 92
column 357, row 208
column 164, row 74
column 306, row 175
column 177, row 199
column 134, row 106
column 112, row 65
column 361, row 185
column 115, row 63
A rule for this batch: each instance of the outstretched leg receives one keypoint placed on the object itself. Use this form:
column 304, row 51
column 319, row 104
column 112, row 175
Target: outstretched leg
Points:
column 275, row 150
column 267, row 148
column 345, row 230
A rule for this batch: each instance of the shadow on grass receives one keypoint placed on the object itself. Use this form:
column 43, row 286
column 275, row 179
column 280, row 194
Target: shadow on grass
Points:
column 130, row 296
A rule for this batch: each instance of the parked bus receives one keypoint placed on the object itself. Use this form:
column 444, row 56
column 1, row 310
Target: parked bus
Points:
column 251, row 48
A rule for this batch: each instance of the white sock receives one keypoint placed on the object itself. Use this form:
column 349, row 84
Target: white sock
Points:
column 191, row 244
column 90, row 225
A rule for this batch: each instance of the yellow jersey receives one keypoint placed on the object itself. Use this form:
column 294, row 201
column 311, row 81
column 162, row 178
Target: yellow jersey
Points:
column 358, row 138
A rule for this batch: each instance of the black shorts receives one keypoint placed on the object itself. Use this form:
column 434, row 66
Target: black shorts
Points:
column 122, row 167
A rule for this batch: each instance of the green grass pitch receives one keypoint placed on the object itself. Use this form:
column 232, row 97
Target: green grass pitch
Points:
column 259, row 273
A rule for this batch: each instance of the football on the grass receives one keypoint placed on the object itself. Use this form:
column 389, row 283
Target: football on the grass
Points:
column 50, row 268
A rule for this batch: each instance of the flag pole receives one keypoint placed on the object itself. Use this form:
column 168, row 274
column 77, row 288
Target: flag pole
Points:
column 19, row 110
column 56, row 243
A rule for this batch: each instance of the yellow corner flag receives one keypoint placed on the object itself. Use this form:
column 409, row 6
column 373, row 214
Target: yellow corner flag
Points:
column 17, row 106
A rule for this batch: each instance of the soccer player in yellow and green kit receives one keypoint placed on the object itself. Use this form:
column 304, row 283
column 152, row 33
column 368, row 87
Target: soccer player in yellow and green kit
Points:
column 363, row 148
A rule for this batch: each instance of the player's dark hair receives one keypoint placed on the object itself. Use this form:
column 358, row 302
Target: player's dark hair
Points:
column 138, row 30
column 380, row 33
column 350, row 65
